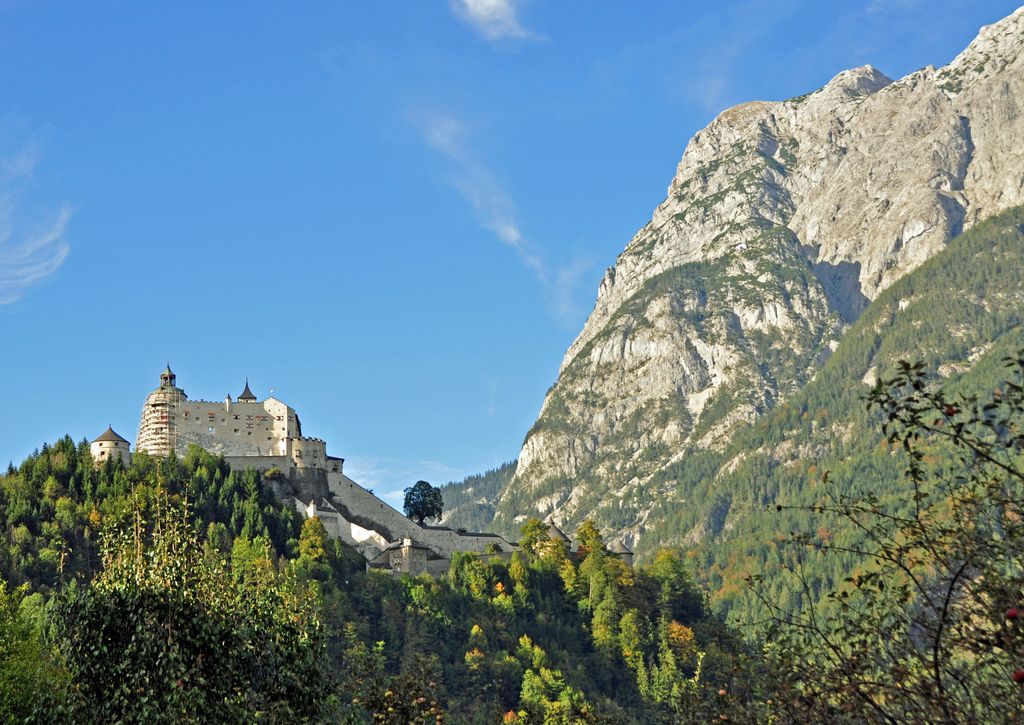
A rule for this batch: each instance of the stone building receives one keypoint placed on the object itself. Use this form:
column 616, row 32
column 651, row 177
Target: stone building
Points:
column 267, row 435
column 243, row 428
column 408, row 557
column 619, row 549
column 110, row 445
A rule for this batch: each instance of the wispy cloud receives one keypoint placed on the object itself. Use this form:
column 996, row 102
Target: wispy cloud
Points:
column 32, row 245
column 493, row 19
column 494, row 208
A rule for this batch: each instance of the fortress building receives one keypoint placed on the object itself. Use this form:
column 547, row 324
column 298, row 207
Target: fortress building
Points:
column 248, row 432
column 267, row 435
column 110, row 445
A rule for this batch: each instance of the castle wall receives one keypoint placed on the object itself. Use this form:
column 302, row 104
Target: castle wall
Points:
column 231, row 428
column 360, row 504
column 308, row 453
column 234, row 428
column 367, row 541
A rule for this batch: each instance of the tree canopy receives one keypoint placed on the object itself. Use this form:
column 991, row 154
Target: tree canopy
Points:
column 423, row 501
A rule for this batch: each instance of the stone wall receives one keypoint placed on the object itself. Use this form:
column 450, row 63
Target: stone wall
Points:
column 235, row 428
column 360, row 506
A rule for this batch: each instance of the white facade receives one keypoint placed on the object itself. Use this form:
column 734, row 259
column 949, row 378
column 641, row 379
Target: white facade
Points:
column 266, row 434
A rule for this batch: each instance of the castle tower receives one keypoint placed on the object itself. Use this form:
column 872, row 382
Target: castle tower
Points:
column 247, row 396
column 618, row 548
column 556, row 534
column 110, row 445
column 157, row 428
column 167, row 378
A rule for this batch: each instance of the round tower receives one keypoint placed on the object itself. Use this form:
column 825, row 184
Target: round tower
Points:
column 157, row 428
column 110, row 445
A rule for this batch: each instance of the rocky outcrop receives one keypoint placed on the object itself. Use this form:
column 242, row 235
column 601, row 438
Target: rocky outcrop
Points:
column 782, row 222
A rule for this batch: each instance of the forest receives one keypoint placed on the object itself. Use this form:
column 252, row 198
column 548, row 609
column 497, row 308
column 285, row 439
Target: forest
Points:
column 178, row 590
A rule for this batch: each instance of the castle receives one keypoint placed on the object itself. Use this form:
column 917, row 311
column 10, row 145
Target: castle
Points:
column 267, row 436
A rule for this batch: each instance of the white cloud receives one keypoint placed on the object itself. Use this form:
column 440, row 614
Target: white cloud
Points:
column 495, row 210
column 493, row 19
column 30, row 249
column 32, row 259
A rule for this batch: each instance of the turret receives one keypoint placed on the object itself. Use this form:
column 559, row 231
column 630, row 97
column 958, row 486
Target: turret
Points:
column 158, row 426
column 556, row 534
column 110, row 445
column 619, row 549
column 247, row 396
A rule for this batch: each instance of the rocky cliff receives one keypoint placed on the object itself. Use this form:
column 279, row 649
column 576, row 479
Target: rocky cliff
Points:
column 783, row 221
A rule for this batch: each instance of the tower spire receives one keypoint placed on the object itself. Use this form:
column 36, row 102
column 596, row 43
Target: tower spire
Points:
column 247, row 395
column 167, row 378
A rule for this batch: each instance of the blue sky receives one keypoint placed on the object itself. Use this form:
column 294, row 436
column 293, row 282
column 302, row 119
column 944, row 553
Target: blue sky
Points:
column 393, row 215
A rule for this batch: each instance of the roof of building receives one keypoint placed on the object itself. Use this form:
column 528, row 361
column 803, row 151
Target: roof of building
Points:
column 617, row 547
column 167, row 370
column 556, row 533
column 382, row 561
column 325, row 505
column 462, row 532
column 109, row 435
column 247, row 394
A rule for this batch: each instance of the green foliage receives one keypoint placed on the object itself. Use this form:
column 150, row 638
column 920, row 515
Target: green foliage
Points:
column 423, row 501
column 54, row 505
column 468, row 504
column 230, row 608
column 925, row 630
column 170, row 631
column 31, row 683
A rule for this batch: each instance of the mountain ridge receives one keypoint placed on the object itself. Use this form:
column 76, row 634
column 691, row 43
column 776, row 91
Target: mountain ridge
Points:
column 783, row 221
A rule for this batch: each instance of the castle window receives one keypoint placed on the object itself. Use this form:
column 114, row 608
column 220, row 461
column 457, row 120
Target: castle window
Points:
column 236, row 417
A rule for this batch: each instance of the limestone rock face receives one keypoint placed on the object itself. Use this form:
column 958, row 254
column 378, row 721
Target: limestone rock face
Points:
column 782, row 222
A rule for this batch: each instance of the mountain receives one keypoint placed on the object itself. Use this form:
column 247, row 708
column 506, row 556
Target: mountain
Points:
column 468, row 504
column 784, row 222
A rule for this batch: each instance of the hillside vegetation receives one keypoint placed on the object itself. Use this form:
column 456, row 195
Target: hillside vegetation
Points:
column 178, row 590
